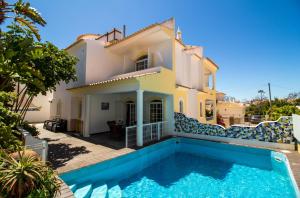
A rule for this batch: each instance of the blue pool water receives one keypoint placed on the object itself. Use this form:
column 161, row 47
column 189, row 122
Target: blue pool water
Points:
column 187, row 168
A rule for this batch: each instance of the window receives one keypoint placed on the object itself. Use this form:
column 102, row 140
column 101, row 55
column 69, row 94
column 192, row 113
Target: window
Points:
column 141, row 63
column 201, row 113
column 130, row 113
column 156, row 113
column 209, row 109
column 180, row 106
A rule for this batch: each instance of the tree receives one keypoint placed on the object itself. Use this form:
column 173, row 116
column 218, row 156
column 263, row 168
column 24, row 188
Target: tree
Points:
column 262, row 93
column 23, row 14
column 31, row 67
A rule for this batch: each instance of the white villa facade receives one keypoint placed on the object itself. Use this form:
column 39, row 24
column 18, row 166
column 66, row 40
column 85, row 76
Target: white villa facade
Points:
column 139, row 80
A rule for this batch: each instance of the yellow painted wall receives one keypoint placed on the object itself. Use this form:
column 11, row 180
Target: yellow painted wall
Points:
column 178, row 95
column 163, row 82
column 202, row 96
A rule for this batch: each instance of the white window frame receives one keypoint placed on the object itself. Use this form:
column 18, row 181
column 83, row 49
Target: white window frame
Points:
column 143, row 64
column 132, row 113
column 158, row 116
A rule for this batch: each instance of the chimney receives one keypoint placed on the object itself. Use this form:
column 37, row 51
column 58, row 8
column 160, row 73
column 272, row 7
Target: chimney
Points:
column 178, row 34
column 124, row 31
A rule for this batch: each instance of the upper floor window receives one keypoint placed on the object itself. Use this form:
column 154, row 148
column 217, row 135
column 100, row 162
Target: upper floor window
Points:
column 141, row 63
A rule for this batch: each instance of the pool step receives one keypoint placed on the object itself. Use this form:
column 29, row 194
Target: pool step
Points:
column 73, row 187
column 83, row 191
column 99, row 192
column 115, row 192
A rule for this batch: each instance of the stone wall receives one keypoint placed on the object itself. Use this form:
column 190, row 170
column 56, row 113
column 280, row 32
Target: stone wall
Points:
column 279, row 131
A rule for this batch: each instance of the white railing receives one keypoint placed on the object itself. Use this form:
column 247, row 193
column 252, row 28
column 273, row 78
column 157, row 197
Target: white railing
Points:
column 35, row 144
column 296, row 126
column 151, row 132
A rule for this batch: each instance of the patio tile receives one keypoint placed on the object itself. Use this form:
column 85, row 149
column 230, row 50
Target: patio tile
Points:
column 68, row 152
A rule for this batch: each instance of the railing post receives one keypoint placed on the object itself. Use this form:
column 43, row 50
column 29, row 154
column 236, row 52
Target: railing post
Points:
column 126, row 138
column 151, row 132
column 158, row 131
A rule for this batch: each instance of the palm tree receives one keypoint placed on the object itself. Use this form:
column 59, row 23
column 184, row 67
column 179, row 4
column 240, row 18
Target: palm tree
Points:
column 23, row 14
column 262, row 93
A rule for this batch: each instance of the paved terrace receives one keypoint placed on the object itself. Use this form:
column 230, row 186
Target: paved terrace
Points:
column 68, row 152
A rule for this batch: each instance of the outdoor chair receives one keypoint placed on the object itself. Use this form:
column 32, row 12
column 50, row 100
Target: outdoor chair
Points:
column 56, row 124
column 116, row 130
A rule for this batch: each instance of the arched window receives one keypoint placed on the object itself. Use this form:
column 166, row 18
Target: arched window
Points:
column 201, row 110
column 141, row 63
column 156, row 111
column 180, row 106
column 130, row 113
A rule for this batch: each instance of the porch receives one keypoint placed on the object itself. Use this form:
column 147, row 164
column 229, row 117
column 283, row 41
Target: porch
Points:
column 132, row 118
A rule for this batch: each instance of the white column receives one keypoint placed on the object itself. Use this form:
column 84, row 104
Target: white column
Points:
column 139, row 114
column 214, row 81
column 86, row 121
column 169, row 116
column 149, row 58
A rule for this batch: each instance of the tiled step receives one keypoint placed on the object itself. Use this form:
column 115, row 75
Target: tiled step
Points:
column 99, row 191
column 115, row 192
column 83, row 191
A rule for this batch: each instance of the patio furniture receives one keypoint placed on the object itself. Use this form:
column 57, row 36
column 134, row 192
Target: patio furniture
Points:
column 55, row 125
column 117, row 131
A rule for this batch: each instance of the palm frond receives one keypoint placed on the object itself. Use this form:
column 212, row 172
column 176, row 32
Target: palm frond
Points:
column 30, row 25
column 24, row 9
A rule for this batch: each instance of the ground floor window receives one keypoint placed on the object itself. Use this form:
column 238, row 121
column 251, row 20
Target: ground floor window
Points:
column 209, row 109
column 130, row 113
column 156, row 111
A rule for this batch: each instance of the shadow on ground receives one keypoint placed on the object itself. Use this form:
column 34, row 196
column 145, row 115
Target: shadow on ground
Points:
column 102, row 139
column 61, row 153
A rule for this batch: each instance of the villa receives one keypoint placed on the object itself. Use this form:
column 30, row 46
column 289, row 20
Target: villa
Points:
column 148, row 86
column 137, row 81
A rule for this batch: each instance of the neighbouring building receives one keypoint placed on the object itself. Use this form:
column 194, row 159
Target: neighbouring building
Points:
column 39, row 110
column 136, row 80
column 232, row 111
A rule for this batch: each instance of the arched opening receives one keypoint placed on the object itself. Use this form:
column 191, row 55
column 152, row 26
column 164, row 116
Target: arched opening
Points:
column 141, row 63
column 130, row 113
column 156, row 111
column 180, row 106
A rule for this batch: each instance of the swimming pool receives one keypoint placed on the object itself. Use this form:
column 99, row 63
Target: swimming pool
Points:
column 182, row 167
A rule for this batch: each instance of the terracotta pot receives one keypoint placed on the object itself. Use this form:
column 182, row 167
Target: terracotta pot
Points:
column 28, row 153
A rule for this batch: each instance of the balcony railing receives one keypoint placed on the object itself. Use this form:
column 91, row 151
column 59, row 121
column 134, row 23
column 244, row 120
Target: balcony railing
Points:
column 151, row 132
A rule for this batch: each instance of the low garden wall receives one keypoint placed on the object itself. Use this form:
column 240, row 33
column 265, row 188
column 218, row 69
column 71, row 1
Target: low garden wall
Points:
column 279, row 131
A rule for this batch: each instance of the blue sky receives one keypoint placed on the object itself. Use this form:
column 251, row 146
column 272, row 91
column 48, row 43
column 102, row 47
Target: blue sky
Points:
column 253, row 41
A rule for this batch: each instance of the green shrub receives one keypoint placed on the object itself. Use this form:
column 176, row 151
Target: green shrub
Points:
column 9, row 136
column 26, row 176
column 30, row 128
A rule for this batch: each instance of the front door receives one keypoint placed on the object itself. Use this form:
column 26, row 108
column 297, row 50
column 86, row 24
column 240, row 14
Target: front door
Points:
column 156, row 111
